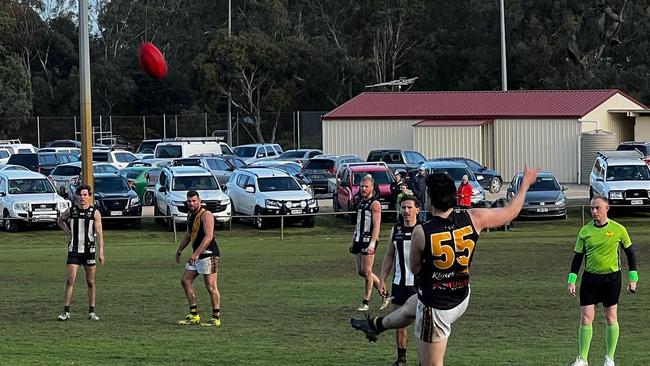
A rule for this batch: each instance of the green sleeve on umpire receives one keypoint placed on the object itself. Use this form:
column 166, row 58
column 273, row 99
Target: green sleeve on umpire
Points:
column 574, row 277
column 634, row 276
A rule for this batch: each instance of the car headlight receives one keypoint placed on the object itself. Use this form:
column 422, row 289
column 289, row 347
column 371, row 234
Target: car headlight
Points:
column 311, row 202
column 22, row 206
column 178, row 203
column 479, row 177
column 273, row 203
column 96, row 203
column 62, row 206
column 615, row 195
column 135, row 201
column 225, row 202
column 561, row 201
column 304, row 187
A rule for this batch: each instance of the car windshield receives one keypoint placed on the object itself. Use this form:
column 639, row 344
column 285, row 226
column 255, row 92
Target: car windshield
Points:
column 292, row 154
column 319, row 165
column 278, row 184
column 456, row 173
column 168, row 151
column 545, row 184
column 237, row 163
column 147, row 147
column 291, row 169
column 115, row 184
column 202, row 182
column 105, row 168
column 67, row 170
column 380, row 177
column 628, row 172
column 245, row 151
column 26, row 186
column 131, row 173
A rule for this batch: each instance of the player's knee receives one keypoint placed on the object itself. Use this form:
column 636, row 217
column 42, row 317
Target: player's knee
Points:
column 69, row 282
column 90, row 283
column 611, row 318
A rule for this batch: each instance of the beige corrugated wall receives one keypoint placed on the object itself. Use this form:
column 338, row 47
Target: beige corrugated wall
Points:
column 549, row 144
column 642, row 129
column 449, row 141
column 360, row 136
column 612, row 122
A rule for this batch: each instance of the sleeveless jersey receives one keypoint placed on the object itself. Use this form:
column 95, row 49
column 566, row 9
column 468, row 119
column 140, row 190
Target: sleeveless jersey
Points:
column 443, row 281
column 82, row 230
column 401, row 240
column 197, row 234
column 363, row 230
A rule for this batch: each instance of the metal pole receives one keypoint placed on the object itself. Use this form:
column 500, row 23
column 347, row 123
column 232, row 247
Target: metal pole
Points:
column 176, row 125
column 144, row 128
column 38, row 131
column 282, row 227
column 205, row 118
column 504, row 71
column 74, row 122
column 293, row 120
column 84, row 94
column 110, row 125
column 229, row 95
column 298, row 126
column 101, row 129
column 164, row 126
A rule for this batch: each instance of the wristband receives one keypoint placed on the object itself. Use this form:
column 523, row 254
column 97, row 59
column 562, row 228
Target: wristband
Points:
column 634, row 276
column 572, row 278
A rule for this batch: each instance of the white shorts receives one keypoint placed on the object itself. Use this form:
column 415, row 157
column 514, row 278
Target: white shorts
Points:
column 206, row 266
column 434, row 325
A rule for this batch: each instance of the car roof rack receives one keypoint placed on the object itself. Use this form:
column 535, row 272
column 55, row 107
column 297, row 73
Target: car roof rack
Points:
column 380, row 163
column 183, row 139
column 10, row 141
column 621, row 154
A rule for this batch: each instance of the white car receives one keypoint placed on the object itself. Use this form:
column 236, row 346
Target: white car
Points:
column 118, row 158
column 65, row 176
column 255, row 152
column 170, row 195
column 28, row 197
column 270, row 191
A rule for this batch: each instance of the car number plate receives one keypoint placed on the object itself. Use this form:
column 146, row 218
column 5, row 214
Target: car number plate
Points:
column 116, row 213
column 296, row 212
column 384, row 207
column 542, row 209
column 317, row 176
column 636, row 202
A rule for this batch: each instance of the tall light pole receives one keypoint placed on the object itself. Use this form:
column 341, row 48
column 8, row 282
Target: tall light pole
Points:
column 504, row 70
column 229, row 95
column 84, row 96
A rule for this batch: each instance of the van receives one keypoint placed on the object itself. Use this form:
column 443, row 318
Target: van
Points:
column 168, row 151
column 19, row 148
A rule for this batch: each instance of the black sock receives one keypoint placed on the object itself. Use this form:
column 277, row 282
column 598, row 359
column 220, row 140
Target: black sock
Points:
column 66, row 309
column 401, row 354
column 365, row 302
column 91, row 309
column 194, row 309
column 377, row 324
column 216, row 313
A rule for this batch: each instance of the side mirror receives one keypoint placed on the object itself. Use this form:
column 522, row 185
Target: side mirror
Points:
column 2, row 194
column 564, row 188
column 162, row 189
column 483, row 168
column 300, row 176
column 599, row 179
column 510, row 190
column 223, row 187
column 250, row 189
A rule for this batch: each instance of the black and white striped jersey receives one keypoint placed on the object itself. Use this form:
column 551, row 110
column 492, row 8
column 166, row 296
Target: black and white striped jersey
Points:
column 401, row 241
column 82, row 230
column 363, row 230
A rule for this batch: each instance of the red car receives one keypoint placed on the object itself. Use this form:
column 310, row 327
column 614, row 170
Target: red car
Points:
column 348, row 179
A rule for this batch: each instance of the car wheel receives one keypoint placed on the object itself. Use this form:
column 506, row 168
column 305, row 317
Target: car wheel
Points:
column 9, row 225
column 495, row 185
column 156, row 214
column 260, row 222
column 148, row 198
column 226, row 225
column 309, row 221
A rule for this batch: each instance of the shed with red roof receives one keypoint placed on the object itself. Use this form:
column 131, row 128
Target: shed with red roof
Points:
column 500, row 129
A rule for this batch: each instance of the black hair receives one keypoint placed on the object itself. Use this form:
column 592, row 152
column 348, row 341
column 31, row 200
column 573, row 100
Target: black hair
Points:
column 442, row 191
column 193, row 193
column 415, row 200
column 82, row 187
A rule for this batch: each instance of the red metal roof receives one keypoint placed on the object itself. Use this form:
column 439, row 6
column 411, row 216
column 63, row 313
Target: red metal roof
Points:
column 453, row 122
column 474, row 104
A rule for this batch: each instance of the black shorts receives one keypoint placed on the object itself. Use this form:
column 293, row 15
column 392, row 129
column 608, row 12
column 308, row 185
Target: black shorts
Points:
column 597, row 288
column 358, row 247
column 401, row 293
column 82, row 259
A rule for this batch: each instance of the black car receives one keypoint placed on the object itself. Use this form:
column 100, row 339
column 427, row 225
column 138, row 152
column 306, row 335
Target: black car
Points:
column 42, row 163
column 488, row 178
column 114, row 198
column 398, row 160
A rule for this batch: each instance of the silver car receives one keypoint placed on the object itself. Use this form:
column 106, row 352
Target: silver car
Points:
column 65, row 176
column 456, row 170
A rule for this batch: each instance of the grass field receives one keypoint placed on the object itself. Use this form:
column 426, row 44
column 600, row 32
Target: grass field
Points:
column 289, row 302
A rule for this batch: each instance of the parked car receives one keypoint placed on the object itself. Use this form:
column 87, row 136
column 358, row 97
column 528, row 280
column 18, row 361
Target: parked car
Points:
column 254, row 152
column 38, row 162
column 147, row 147
column 64, row 143
column 114, row 198
column 139, row 179
column 68, row 150
column 395, row 159
column 300, row 156
column 27, row 197
column 290, row 167
column 621, row 176
column 642, row 146
column 170, row 195
column 65, row 176
column 349, row 178
column 270, row 191
column 456, row 170
column 488, row 178
column 220, row 167
column 12, row 167
column 118, row 158
column 322, row 168
column 115, row 142
column 4, row 155
column 545, row 197
column 176, row 149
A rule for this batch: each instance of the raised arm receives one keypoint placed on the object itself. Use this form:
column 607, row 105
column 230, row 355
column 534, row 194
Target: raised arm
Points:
column 486, row 218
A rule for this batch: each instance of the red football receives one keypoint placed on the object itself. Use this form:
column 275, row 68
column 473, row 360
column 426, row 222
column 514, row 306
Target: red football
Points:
column 152, row 61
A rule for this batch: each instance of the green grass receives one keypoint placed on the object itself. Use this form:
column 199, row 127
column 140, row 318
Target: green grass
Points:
column 289, row 302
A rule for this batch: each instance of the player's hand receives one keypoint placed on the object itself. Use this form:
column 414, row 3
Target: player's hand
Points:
column 193, row 258
column 371, row 249
column 572, row 289
column 101, row 258
column 631, row 287
column 178, row 257
column 530, row 176
column 382, row 288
